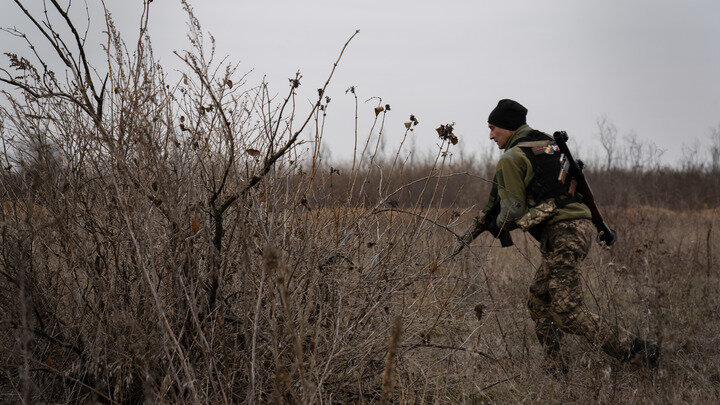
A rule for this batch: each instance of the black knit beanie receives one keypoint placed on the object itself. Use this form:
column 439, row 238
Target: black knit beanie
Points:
column 508, row 114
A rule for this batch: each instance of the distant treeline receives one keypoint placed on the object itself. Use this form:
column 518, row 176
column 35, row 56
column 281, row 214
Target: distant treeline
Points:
column 468, row 184
column 624, row 171
column 463, row 185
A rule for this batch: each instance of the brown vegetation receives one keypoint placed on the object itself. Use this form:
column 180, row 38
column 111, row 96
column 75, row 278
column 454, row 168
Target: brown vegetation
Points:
column 179, row 248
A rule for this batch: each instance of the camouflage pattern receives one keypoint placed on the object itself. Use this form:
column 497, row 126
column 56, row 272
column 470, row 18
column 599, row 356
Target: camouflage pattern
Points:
column 537, row 215
column 556, row 297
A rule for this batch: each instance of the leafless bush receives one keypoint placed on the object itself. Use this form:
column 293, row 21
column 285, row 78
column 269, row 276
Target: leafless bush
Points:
column 160, row 241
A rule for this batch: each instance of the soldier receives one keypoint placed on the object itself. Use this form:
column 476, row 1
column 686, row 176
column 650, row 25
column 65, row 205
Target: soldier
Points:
column 528, row 194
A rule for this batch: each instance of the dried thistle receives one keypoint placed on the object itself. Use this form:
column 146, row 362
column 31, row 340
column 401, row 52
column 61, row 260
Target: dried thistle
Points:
column 479, row 309
column 445, row 132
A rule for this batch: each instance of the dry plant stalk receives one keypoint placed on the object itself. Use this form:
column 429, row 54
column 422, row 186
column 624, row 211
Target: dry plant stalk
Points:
column 387, row 376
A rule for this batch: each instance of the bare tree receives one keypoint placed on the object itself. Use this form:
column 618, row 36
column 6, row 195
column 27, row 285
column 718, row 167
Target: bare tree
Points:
column 608, row 140
column 634, row 151
column 715, row 149
column 692, row 160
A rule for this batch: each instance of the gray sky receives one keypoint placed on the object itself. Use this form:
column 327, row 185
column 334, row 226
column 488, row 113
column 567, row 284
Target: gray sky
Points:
column 650, row 66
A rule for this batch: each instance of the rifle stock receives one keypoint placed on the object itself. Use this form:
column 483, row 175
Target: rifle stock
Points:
column 606, row 234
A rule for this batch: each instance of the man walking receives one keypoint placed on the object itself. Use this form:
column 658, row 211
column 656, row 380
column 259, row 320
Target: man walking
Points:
column 528, row 194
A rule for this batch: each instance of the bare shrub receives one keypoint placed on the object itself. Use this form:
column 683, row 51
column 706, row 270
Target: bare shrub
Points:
column 184, row 251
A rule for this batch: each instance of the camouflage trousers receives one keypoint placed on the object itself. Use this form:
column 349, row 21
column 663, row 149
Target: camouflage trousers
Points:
column 556, row 297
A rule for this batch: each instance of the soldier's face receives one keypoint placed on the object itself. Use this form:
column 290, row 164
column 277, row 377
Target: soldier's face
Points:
column 499, row 135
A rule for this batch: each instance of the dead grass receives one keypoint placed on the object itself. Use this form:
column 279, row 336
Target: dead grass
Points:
column 327, row 328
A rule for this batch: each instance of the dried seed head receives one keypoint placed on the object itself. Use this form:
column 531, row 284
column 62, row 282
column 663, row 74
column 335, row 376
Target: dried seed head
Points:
column 433, row 267
column 272, row 259
column 479, row 308
column 445, row 132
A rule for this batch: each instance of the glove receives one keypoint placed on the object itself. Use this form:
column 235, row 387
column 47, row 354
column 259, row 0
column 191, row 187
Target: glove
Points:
column 490, row 223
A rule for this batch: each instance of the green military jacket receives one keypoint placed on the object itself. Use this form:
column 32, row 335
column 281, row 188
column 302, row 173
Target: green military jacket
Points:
column 513, row 174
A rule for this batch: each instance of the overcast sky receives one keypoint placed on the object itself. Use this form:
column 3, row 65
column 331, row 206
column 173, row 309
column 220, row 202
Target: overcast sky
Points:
column 650, row 66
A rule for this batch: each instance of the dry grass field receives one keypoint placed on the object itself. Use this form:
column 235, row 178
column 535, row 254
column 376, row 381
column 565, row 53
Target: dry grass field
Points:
column 291, row 326
column 171, row 242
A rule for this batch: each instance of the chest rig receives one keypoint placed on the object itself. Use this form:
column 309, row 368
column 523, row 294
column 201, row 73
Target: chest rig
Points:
column 547, row 181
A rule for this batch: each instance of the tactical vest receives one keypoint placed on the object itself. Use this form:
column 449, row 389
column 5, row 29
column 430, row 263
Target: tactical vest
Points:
column 544, row 156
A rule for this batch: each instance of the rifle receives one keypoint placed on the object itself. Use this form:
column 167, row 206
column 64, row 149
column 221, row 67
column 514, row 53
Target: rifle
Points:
column 574, row 168
column 479, row 227
column 486, row 223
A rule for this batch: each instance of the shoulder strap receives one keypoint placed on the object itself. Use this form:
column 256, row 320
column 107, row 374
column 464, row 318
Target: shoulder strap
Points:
column 532, row 137
column 532, row 144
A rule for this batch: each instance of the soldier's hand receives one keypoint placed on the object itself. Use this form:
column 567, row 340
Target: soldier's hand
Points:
column 490, row 223
column 501, row 233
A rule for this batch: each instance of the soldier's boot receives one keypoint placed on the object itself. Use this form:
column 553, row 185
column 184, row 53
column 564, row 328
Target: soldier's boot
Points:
column 555, row 369
column 646, row 352
column 554, row 363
